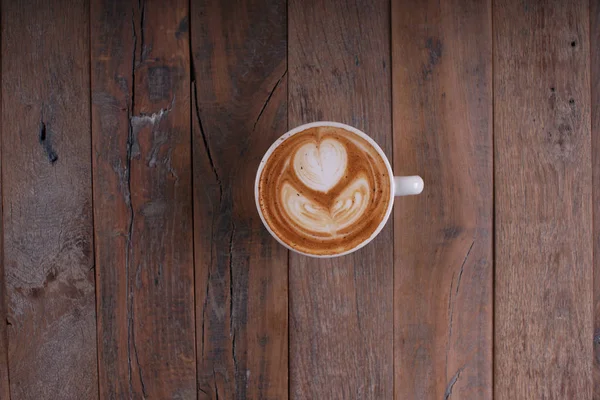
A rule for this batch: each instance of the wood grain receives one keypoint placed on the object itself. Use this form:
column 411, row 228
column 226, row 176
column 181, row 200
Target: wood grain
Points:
column 443, row 266
column 341, row 309
column 240, row 89
column 543, row 191
column 595, row 133
column 4, row 379
column 143, row 199
column 47, row 200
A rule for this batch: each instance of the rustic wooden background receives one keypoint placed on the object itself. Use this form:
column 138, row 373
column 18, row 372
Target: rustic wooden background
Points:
column 135, row 265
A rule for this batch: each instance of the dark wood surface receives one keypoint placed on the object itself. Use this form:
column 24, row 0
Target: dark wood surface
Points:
column 595, row 132
column 143, row 195
column 543, row 193
column 4, row 384
column 442, row 108
column 134, row 264
column 240, row 108
column 111, row 31
column 341, row 309
column 47, row 198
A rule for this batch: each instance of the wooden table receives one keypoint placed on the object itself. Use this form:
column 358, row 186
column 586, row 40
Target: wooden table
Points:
column 136, row 266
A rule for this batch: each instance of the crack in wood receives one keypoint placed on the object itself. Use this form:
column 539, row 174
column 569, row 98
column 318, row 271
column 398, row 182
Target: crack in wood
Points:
column 206, row 301
column 235, row 362
column 231, row 307
column 218, row 180
column 128, row 200
column 127, row 197
column 268, row 99
column 144, row 50
column 451, row 303
column 205, row 141
column 451, row 384
column 208, row 280
column 137, row 360
column 215, row 383
column 463, row 266
column 450, row 318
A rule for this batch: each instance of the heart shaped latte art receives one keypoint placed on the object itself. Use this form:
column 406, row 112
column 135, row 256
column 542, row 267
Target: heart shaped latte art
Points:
column 345, row 210
column 321, row 166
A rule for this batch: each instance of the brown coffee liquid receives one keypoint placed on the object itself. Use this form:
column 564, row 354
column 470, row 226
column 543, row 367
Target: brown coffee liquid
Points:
column 324, row 191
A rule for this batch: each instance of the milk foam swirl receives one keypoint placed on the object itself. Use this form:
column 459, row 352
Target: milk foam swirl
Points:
column 320, row 166
column 324, row 190
column 313, row 217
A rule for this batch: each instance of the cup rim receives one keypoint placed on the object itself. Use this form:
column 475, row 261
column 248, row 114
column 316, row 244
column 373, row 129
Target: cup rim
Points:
column 302, row 128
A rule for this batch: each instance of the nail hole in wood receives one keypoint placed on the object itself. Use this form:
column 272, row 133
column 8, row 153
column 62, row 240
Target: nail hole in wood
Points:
column 42, row 132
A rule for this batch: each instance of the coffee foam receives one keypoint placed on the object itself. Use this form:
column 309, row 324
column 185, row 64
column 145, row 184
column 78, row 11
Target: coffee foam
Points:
column 320, row 166
column 324, row 190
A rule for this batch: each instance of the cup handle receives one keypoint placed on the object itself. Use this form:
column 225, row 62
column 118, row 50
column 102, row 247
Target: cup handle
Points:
column 408, row 185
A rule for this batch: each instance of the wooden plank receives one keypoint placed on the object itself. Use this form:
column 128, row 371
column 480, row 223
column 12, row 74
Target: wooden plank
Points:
column 543, row 192
column 240, row 89
column 143, row 199
column 4, row 379
column 47, row 199
column 595, row 133
column 341, row 309
column 443, row 266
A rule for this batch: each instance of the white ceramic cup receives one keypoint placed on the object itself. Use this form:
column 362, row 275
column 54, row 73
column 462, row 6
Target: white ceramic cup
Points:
column 401, row 185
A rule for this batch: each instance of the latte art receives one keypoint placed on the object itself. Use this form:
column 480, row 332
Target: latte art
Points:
column 314, row 217
column 325, row 190
column 320, row 166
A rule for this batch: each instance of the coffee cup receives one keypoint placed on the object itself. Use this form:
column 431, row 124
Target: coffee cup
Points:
column 326, row 189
